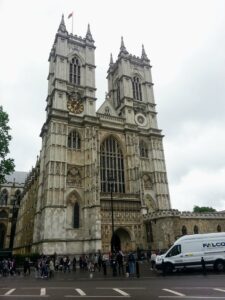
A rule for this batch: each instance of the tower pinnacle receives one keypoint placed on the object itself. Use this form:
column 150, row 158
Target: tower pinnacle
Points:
column 123, row 48
column 111, row 60
column 62, row 26
column 143, row 54
column 89, row 35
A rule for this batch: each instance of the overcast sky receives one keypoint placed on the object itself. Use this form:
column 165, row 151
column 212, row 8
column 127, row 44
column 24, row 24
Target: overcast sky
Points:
column 185, row 41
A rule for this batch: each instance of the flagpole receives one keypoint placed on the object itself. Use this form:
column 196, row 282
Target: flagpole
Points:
column 72, row 23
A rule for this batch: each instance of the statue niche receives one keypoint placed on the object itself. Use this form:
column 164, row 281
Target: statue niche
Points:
column 147, row 182
column 74, row 177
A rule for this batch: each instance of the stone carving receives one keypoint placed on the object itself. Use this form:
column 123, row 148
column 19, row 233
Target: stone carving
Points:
column 74, row 177
column 147, row 182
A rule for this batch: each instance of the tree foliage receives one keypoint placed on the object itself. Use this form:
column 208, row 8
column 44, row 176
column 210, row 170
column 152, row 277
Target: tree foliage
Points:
column 6, row 164
column 203, row 209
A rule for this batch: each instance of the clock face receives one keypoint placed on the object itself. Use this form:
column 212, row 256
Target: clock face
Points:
column 140, row 119
column 74, row 104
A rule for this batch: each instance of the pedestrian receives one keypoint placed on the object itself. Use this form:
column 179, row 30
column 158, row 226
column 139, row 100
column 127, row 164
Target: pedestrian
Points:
column 203, row 266
column 131, row 263
column 153, row 260
column 74, row 264
column 51, row 268
column 119, row 259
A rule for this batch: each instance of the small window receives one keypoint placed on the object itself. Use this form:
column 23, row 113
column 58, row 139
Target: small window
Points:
column 118, row 92
column 4, row 197
column 107, row 111
column 74, row 73
column 76, row 219
column 74, row 140
column 136, row 85
column 2, row 235
column 174, row 251
column 143, row 149
column 17, row 197
column 184, row 230
column 218, row 228
column 195, row 229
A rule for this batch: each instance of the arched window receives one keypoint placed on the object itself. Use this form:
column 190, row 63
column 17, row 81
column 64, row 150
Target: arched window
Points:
column 3, row 214
column 184, row 230
column 74, row 75
column 76, row 216
column 112, row 164
column 107, row 111
column 4, row 197
column 195, row 229
column 118, row 92
column 17, row 197
column 143, row 149
column 136, row 85
column 2, row 235
column 74, row 140
column 218, row 228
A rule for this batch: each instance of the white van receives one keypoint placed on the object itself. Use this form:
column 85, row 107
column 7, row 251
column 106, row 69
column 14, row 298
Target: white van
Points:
column 188, row 251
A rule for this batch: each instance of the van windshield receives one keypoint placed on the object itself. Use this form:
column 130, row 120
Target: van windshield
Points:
column 174, row 251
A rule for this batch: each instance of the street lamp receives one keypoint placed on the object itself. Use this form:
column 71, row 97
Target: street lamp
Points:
column 111, row 184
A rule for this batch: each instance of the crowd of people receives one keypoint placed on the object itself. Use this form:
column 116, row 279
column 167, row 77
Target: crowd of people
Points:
column 115, row 263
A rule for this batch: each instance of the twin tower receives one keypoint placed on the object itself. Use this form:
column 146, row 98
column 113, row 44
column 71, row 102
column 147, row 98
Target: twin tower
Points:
column 99, row 171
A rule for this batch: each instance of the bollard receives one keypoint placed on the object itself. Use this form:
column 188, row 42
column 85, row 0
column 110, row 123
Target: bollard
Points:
column 91, row 275
column 127, row 270
column 137, row 269
column 104, row 268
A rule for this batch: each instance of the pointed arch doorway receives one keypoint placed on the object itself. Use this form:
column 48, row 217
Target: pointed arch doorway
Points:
column 122, row 240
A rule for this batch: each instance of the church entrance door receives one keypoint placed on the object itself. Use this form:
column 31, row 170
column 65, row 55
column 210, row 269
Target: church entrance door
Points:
column 122, row 240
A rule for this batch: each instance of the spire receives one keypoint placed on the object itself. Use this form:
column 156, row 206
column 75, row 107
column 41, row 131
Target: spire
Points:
column 111, row 60
column 122, row 47
column 62, row 26
column 143, row 54
column 89, row 35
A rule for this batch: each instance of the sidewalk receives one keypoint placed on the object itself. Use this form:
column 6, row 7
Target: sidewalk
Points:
column 77, row 275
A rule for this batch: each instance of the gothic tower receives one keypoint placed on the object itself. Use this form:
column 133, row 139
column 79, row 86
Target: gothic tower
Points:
column 67, row 216
column 131, row 94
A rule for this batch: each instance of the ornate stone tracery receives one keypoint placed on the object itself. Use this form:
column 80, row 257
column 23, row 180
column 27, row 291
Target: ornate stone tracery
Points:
column 74, row 176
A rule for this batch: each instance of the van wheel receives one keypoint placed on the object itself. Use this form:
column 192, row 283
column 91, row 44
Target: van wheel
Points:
column 169, row 268
column 219, row 266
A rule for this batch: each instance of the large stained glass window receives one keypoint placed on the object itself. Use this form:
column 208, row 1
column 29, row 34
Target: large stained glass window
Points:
column 112, row 165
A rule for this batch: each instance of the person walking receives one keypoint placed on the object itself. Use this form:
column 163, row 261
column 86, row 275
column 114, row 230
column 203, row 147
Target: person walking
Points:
column 51, row 268
column 153, row 260
column 203, row 266
column 119, row 259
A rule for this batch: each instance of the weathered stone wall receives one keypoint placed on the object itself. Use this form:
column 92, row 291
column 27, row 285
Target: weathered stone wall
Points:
column 168, row 225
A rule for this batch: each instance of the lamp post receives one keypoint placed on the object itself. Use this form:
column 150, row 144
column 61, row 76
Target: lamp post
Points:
column 111, row 183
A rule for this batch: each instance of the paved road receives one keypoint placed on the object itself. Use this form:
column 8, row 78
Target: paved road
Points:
column 149, row 286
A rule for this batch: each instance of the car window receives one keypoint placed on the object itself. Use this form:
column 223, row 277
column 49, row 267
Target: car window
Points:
column 174, row 251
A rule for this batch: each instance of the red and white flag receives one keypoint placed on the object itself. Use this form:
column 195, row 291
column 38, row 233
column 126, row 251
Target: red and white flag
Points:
column 70, row 15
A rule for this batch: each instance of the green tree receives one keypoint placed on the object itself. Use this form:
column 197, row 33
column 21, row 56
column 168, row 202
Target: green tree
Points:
column 6, row 164
column 203, row 209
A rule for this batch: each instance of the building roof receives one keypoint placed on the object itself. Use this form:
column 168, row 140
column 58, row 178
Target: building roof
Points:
column 17, row 177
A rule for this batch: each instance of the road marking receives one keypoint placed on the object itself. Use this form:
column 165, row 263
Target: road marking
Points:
column 24, row 296
column 220, row 290
column 192, row 297
column 82, row 293
column 174, row 292
column 9, row 292
column 71, row 296
column 43, row 292
column 125, row 288
column 121, row 292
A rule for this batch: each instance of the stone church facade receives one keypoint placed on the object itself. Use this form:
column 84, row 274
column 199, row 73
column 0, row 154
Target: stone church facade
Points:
column 83, row 148
column 100, row 181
